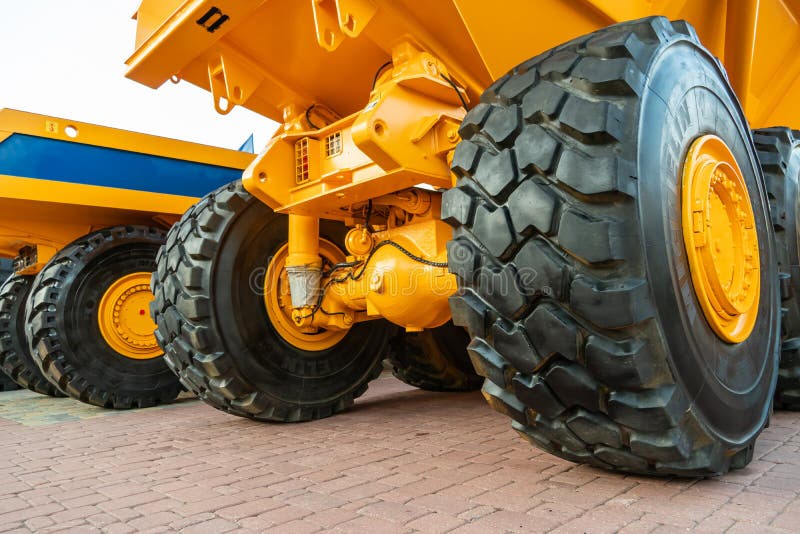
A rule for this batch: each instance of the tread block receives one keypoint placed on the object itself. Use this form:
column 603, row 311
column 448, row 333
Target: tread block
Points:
column 473, row 122
column 190, row 277
column 502, row 125
column 540, row 271
column 552, row 331
column 253, row 404
column 592, row 176
column 458, row 206
column 489, row 363
column 200, row 249
column 229, row 387
column 496, row 172
column 651, row 410
column 500, row 288
column 515, row 347
column 214, row 364
column 532, row 62
column 594, row 122
column 209, row 220
column 595, row 428
column 611, row 303
column 469, row 311
column 555, row 430
column 558, row 64
column 610, row 76
column 681, row 26
column 545, row 99
column 621, row 458
column 611, row 45
column 517, row 85
column 534, row 392
column 672, row 446
column 232, row 198
column 490, row 95
column 193, row 308
column 465, row 158
column 196, row 335
column 593, row 240
column 621, row 364
column 462, row 259
column 573, row 385
column 536, row 150
column 493, row 229
column 504, row 402
column 531, row 208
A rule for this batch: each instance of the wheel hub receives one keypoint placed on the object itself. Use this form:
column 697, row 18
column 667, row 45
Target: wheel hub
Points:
column 124, row 320
column 720, row 237
column 278, row 301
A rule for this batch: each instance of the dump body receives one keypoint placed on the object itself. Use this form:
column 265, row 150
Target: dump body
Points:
column 61, row 179
column 270, row 54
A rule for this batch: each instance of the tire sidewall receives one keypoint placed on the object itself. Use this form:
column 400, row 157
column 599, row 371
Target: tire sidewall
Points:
column 692, row 87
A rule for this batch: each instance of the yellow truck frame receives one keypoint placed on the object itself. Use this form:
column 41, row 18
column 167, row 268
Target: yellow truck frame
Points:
column 375, row 96
column 63, row 185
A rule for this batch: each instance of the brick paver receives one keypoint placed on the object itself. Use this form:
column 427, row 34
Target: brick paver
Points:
column 402, row 460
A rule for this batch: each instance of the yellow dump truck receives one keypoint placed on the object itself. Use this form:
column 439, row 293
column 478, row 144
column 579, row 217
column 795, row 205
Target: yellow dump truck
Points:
column 584, row 195
column 83, row 210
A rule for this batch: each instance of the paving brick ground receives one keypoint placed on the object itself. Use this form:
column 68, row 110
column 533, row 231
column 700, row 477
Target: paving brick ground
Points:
column 402, row 460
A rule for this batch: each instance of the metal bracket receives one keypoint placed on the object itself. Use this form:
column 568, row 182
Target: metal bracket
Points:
column 232, row 79
column 336, row 19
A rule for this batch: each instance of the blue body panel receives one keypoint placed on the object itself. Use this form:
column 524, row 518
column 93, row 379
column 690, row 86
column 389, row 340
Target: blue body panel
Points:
column 29, row 156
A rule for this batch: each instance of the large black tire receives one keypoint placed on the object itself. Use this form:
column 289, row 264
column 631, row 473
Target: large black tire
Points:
column 65, row 336
column 779, row 154
column 214, row 327
column 571, row 263
column 435, row 359
column 6, row 382
column 15, row 357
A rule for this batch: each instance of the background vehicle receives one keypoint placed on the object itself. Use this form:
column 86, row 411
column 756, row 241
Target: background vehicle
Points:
column 83, row 209
column 6, row 270
column 605, row 233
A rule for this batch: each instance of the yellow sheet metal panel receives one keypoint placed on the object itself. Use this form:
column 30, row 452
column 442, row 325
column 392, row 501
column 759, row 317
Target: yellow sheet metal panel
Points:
column 281, row 44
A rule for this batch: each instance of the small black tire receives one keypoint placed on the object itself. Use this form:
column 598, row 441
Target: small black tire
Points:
column 571, row 264
column 214, row 326
column 65, row 336
column 435, row 359
column 779, row 154
column 15, row 357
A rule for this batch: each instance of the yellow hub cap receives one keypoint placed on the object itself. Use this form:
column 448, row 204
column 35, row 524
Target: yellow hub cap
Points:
column 278, row 301
column 719, row 232
column 124, row 317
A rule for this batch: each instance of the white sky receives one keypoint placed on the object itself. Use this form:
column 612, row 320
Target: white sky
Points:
column 66, row 58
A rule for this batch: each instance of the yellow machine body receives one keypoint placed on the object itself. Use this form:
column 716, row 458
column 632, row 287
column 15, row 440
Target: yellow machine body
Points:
column 268, row 54
column 62, row 179
column 369, row 94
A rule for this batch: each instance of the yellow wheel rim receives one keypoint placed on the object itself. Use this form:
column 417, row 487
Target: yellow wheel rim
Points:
column 124, row 317
column 279, row 302
column 719, row 232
